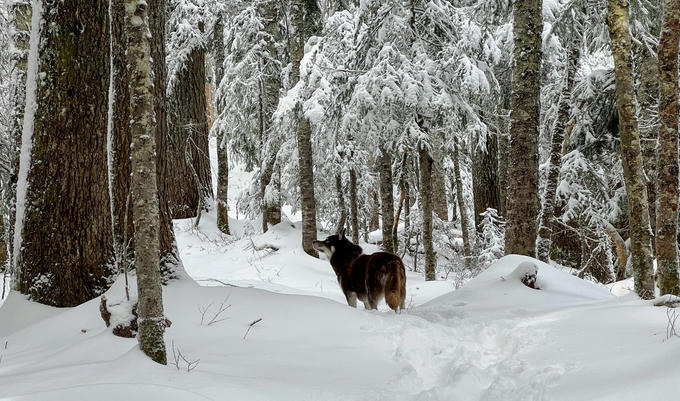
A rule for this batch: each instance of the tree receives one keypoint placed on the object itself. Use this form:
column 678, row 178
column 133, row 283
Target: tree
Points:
column 667, row 167
column 387, row 197
column 222, row 153
column 63, row 236
column 641, row 251
column 306, row 22
column 426, row 162
column 144, row 193
column 522, row 197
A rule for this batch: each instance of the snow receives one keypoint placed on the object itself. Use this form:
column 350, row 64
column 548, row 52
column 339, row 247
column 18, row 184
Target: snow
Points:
column 492, row 339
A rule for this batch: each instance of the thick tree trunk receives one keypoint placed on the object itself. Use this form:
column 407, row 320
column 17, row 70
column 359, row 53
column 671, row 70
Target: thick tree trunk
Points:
column 522, row 196
column 426, row 162
column 189, row 182
column 65, row 239
column 544, row 241
column 306, row 21
column 485, row 179
column 120, row 138
column 170, row 264
column 636, row 191
column 354, row 205
column 143, row 183
column 667, row 184
column 464, row 222
column 386, row 199
column 222, row 153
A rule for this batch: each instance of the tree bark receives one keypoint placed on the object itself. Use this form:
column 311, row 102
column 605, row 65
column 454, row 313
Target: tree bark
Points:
column 403, row 189
column 143, row 183
column 386, row 199
column 222, row 152
column 485, row 179
column 66, row 240
column 354, row 205
column 641, row 251
column 342, row 207
column 189, row 182
column 120, row 137
column 544, row 241
column 440, row 207
column 464, row 222
column 426, row 162
column 667, row 168
column 170, row 263
column 306, row 21
column 522, row 202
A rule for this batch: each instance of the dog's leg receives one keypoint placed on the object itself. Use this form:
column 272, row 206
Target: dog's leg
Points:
column 352, row 299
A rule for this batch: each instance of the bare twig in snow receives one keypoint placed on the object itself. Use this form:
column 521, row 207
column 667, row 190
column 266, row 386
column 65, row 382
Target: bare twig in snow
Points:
column 215, row 316
column 250, row 326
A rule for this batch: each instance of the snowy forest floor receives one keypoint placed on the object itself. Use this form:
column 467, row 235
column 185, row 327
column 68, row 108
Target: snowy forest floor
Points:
column 493, row 339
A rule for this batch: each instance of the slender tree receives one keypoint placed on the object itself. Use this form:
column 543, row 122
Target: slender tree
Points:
column 63, row 238
column 306, row 21
column 144, row 193
column 522, row 205
column 222, row 154
column 667, row 168
column 354, row 205
column 426, row 161
column 641, row 250
column 464, row 222
column 386, row 198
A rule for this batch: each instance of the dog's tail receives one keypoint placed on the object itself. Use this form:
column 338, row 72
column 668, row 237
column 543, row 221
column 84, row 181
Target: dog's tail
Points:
column 395, row 285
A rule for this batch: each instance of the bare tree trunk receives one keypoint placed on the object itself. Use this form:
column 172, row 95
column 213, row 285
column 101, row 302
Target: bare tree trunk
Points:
column 402, row 197
column 641, row 251
column 439, row 203
column 426, row 162
column 65, row 239
column 222, row 153
column 544, row 241
column 485, row 179
column 21, row 15
column 354, row 205
column 522, row 198
column 386, row 199
column 189, row 182
column 667, row 168
column 464, row 222
column 170, row 264
column 306, row 20
column 341, row 204
column 374, row 223
column 143, row 183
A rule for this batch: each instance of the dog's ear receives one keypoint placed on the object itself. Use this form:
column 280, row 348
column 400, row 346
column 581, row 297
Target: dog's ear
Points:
column 342, row 234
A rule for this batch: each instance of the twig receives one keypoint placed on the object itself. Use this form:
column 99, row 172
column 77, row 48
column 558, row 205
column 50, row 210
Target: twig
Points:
column 219, row 281
column 215, row 318
column 250, row 326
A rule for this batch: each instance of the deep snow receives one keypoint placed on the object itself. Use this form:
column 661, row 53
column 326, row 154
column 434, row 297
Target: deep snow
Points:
column 493, row 339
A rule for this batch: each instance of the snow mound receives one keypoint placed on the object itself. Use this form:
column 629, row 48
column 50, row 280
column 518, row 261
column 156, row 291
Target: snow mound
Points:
column 498, row 292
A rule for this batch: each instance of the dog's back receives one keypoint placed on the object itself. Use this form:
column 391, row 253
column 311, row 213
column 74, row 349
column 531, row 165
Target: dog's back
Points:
column 381, row 273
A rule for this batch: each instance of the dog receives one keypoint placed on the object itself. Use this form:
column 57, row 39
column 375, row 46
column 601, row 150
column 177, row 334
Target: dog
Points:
column 367, row 278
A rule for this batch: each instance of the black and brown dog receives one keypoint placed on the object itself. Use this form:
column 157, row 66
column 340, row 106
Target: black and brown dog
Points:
column 365, row 277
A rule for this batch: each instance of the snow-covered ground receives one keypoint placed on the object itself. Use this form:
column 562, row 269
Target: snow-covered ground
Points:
column 493, row 339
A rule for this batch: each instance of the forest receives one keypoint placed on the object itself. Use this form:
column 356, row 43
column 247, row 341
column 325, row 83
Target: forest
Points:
column 169, row 170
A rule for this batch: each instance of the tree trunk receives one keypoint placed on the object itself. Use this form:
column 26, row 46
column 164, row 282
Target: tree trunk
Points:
column 403, row 189
column 464, row 222
column 439, row 204
column 64, row 235
column 426, row 162
column 641, row 252
column 170, row 263
column 269, row 99
column 374, row 223
column 386, row 199
column 544, row 241
column 306, row 21
column 667, row 168
column 21, row 14
column 143, row 183
column 222, row 153
column 485, row 179
column 341, row 204
column 190, row 181
column 120, row 140
column 354, row 205
column 522, row 202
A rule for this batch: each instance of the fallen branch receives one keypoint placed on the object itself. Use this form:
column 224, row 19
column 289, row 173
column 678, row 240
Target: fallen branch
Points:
column 250, row 326
column 668, row 300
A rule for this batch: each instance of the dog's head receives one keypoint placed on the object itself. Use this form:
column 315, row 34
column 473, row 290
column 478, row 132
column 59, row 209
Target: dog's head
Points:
column 330, row 244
